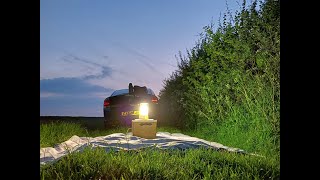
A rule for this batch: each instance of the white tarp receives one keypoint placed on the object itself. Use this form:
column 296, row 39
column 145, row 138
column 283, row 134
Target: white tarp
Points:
column 117, row 141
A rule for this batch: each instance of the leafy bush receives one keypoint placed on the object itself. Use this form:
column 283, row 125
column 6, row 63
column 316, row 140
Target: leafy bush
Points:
column 231, row 79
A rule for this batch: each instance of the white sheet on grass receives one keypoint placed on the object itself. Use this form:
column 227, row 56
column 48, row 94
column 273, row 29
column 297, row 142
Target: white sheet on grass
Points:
column 117, row 141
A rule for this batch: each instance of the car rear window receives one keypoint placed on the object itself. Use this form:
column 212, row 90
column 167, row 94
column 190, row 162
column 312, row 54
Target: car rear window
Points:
column 126, row 91
column 120, row 92
column 150, row 92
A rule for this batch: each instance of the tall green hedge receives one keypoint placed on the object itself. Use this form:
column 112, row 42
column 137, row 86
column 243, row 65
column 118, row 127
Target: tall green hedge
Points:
column 232, row 73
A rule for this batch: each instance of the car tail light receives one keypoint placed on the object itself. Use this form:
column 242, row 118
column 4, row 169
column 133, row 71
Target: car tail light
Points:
column 106, row 103
column 154, row 99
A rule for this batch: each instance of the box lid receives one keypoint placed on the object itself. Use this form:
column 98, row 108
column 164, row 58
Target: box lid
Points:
column 144, row 120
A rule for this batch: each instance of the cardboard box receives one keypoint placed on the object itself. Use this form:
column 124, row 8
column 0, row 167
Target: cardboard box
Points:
column 145, row 128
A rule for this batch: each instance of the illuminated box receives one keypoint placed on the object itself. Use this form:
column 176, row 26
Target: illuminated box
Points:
column 145, row 128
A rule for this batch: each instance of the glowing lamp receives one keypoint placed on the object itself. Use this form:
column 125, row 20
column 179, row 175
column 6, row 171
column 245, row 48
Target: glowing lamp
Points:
column 143, row 111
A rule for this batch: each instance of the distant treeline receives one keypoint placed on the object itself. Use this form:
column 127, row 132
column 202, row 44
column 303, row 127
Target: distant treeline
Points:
column 66, row 118
column 230, row 81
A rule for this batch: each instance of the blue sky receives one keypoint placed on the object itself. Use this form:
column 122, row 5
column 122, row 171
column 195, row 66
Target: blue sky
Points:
column 89, row 48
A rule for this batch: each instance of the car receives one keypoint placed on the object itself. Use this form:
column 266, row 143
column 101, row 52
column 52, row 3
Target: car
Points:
column 122, row 106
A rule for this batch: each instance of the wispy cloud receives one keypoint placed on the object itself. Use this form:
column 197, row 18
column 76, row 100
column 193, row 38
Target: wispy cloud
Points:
column 105, row 72
column 147, row 61
column 71, row 96
column 69, row 87
column 73, row 66
column 49, row 95
column 72, row 106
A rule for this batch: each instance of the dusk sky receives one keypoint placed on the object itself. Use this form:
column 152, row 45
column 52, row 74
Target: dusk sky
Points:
column 89, row 48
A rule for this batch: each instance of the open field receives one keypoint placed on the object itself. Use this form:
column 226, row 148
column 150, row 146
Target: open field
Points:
column 88, row 122
column 149, row 163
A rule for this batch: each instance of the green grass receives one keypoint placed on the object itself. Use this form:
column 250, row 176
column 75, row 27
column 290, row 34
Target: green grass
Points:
column 58, row 132
column 248, row 132
column 150, row 163
column 160, row 164
column 53, row 133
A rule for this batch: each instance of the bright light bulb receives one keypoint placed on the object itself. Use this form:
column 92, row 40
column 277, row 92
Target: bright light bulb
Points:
column 143, row 111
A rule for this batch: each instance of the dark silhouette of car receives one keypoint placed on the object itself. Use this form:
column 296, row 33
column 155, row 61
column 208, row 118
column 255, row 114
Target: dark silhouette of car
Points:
column 122, row 106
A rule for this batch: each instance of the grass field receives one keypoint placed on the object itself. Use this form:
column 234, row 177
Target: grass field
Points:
column 57, row 132
column 150, row 163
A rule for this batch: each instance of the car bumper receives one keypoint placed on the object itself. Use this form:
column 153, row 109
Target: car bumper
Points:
column 114, row 114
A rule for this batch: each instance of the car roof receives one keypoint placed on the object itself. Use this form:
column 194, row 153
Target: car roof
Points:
column 126, row 91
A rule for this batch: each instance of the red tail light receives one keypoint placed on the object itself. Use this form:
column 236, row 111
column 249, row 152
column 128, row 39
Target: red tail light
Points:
column 106, row 103
column 154, row 99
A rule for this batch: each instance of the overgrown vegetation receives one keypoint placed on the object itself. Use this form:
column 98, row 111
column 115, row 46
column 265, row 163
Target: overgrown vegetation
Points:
column 228, row 86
